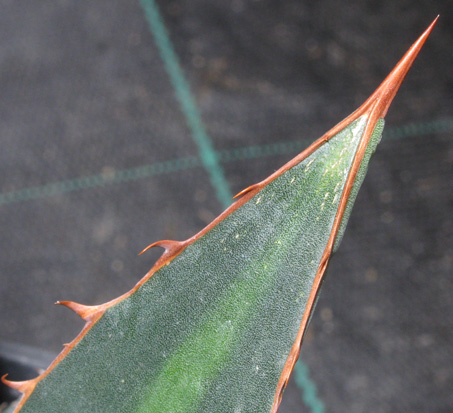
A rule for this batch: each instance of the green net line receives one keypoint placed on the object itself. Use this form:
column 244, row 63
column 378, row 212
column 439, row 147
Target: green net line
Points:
column 101, row 180
column 224, row 156
column 309, row 394
column 187, row 104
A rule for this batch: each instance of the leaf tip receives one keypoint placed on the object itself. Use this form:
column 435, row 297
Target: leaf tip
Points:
column 379, row 102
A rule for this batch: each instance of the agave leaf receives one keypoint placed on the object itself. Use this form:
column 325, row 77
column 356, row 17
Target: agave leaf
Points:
column 217, row 323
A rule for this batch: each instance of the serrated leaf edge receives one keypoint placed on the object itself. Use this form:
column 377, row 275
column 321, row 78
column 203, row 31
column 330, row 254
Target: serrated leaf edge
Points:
column 375, row 107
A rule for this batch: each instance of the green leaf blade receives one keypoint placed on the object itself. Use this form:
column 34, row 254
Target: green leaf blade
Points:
column 370, row 150
column 224, row 312
column 216, row 325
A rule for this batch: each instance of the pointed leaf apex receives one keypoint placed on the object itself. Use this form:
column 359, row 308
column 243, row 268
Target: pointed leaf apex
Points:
column 22, row 386
column 380, row 100
column 375, row 108
column 85, row 312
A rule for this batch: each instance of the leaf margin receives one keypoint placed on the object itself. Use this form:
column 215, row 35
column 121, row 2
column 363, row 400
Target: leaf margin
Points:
column 375, row 108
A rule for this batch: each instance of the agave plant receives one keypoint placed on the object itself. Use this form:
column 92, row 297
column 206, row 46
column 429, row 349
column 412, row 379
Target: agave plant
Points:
column 216, row 325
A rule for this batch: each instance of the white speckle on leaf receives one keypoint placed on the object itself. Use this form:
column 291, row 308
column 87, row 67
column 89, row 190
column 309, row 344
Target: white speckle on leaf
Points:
column 236, row 236
column 308, row 165
column 335, row 198
column 326, row 195
column 258, row 200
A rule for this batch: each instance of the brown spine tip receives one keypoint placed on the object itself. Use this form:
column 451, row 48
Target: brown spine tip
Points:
column 22, row 386
column 381, row 99
column 85, row 312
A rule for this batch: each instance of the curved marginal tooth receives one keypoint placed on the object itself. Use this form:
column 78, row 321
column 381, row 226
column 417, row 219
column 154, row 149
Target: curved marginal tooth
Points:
column 167, row 244
column 21, row 386
column 83, row 311
column 246, row 190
